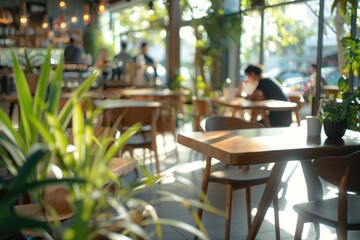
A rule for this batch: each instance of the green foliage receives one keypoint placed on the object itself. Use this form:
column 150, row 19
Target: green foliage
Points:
column 25, row 181
column 94, row 41
column 290, row 35
column 177, row 82
column 83, row 158
column 31, row 62
column 347, row 109
column 344, row 6
column 351, row 54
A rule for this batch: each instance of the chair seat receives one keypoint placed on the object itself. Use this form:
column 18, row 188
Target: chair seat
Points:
column 241, row 178
column 139, row 140
column 35, row 211
column 325, row 211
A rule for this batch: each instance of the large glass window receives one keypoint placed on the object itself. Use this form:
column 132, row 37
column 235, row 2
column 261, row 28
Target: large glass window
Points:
column 144, row 23
column 291, row 40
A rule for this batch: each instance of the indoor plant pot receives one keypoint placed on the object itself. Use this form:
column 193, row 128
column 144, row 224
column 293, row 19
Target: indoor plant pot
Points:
column 334, row 130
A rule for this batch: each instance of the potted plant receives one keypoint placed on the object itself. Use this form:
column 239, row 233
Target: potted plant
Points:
column 42, row 141
column 31, row 64
column 340, row 115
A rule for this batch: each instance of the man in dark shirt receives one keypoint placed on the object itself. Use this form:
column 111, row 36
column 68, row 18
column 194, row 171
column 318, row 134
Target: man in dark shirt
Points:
column 73, row 54
column 266, row 89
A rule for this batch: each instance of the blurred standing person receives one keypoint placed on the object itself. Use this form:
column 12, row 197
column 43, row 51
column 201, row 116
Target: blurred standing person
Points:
column 74, row 53
column 122, row 60
column 104, row 65
column 265, row 89
column 144, row 64
column 313, row 77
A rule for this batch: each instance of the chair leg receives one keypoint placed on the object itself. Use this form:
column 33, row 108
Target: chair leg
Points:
column 299, row 228
column 276, row 216
column 248, row 206
column 157, row 163
column 229, row 193
column 317, row 230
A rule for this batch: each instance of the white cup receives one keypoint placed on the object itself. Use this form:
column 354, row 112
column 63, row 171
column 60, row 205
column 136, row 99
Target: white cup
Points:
column 313, row 126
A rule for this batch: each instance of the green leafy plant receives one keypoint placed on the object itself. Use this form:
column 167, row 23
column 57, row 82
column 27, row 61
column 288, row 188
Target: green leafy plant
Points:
column 83, row 158
column 31, row 62
column 351, row 54
column 25, row 181
column 347, row 109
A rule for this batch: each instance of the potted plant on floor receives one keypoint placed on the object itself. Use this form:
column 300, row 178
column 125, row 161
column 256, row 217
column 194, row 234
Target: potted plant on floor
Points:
column 42, row 142
column 31, row 64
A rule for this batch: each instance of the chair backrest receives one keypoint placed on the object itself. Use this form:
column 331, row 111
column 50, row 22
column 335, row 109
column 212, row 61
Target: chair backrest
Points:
column 167, row 115
column 202, row 109
column 335, row 169
column 342, row 171
column 127, row 117
column 215, row 123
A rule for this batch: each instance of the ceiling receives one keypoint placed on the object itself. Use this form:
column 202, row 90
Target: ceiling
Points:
column 117, row 5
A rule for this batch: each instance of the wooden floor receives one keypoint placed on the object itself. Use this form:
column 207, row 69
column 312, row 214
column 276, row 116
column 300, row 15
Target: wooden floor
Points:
column 185, row 179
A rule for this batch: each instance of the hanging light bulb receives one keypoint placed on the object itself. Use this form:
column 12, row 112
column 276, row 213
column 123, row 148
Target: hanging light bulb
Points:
column 63, row 26
column 74, row 18
column 62, row 4
column 45, row 24
column 86, row 13
column 63, row 23
column 23, row 16
column 102, row 6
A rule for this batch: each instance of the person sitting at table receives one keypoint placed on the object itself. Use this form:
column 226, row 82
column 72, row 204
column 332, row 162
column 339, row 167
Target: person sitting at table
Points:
column 266, row 89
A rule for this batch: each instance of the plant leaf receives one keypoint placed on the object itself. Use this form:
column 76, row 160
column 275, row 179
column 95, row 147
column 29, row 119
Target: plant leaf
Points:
column 42, row 84
column 25, row 102
column 55, row 89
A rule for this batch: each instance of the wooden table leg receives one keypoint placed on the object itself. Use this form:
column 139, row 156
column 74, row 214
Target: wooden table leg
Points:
column 205, row 184
column 270, row 191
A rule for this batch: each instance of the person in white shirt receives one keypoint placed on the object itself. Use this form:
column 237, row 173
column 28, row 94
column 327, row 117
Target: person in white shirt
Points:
column 143, row 62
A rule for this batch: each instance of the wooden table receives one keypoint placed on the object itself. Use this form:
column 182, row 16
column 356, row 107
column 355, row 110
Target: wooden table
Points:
column 121, row 166
column 12, row 99
column 124, row 103
column 267, row 145
column 149, row 93
column 259, row 106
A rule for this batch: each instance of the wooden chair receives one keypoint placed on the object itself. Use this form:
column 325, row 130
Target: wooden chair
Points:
column 166, row 122
column 235, row 179
column 202, row 108
column 341, row 212
column 127, row 117
column 299, row 100
column 56, row 197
